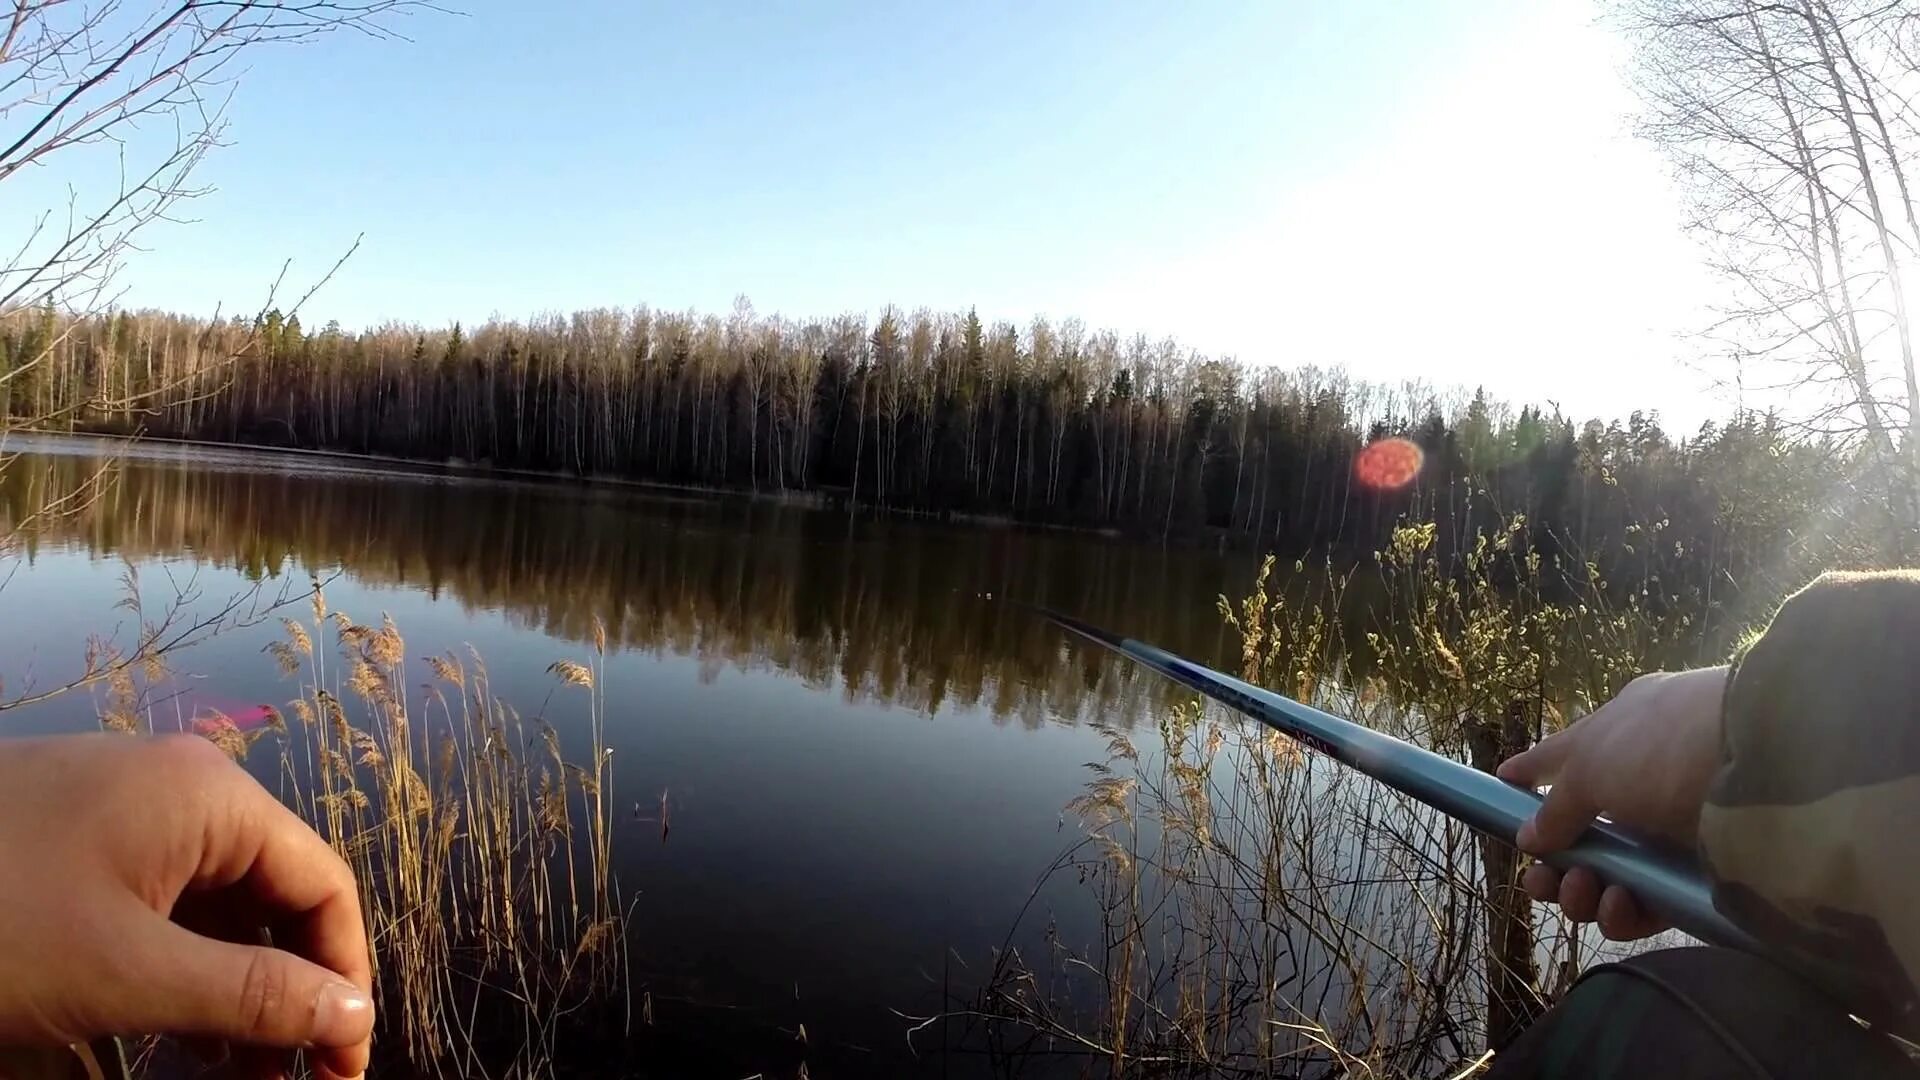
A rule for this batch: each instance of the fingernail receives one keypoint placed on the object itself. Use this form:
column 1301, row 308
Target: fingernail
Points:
column 342, row 1016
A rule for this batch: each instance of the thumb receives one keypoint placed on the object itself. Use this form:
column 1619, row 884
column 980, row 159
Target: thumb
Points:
column 1563, row 815
column 1539, row 763
column 249, row 994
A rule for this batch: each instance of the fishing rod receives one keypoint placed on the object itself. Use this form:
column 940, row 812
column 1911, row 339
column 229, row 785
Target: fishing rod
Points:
column 1667, row 880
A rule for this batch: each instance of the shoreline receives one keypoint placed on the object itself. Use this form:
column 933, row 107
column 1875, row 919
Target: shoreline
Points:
column 463, row 469
column 815, row 499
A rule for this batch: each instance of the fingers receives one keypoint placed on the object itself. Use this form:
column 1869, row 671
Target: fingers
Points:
column 1583, row 898
column 315, row 988
column 249, row 994
column 313, row 894
column 319, row 919
column 1540, row 763
column 1580, row 894
column 1542, row 882
column 1563, row 815
column 300, row 887
column 1577, row 891
column 1566, row 810
column 1622, row 918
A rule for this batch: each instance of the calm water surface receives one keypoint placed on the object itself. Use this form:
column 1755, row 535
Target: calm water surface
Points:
column 864, row 752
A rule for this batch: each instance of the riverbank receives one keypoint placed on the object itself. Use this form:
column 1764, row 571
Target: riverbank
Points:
column 451, row 468
column 819, row 498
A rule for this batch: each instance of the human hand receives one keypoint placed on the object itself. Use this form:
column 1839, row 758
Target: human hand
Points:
column 139, row 873
column 1644, row 760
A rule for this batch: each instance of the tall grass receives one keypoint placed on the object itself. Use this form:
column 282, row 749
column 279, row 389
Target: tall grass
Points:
column 1264, row 911
column 482, row 852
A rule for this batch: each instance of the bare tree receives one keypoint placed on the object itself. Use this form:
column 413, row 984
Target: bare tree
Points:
column 120, row 104
column 117, row 105
column 1792, row 128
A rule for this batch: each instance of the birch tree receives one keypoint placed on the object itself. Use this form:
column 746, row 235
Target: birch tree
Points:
column 1790, row 125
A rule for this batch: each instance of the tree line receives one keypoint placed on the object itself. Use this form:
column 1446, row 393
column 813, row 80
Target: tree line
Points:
column 945, row 413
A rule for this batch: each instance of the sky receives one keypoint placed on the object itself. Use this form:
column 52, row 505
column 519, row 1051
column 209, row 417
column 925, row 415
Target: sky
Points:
column 1446, row 190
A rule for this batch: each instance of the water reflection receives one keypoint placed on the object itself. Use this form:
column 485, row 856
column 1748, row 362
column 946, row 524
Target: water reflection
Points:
column 893, row 612
column 811, row 699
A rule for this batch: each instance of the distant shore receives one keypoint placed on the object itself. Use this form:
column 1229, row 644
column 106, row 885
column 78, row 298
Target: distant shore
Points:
column 451, row 467
column 818, row 499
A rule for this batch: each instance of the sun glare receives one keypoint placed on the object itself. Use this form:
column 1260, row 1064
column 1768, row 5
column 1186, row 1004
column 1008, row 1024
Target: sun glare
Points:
column 1388, row 465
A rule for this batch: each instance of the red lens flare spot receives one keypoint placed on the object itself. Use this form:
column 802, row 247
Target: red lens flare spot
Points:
column 206, row 713
column 1388, row 465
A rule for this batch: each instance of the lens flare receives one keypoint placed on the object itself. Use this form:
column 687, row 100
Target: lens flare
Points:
column 207, row 712
column 1388, row 465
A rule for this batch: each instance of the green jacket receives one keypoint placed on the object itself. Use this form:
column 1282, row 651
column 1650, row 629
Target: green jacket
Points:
column 1812, row 825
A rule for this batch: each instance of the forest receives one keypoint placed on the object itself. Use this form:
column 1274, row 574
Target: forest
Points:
column 929, row 412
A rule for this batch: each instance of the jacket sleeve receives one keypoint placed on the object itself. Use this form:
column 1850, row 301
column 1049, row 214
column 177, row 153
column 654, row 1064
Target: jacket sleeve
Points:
column 1811, row 826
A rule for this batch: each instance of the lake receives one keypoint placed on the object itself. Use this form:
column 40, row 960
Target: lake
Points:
column 862, row 748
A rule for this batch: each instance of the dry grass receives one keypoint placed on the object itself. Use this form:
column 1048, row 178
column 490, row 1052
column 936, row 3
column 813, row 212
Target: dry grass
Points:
column 1264, row 911
column 483, row 854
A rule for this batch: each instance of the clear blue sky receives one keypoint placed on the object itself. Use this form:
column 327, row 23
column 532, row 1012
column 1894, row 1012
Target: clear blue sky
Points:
column 1443, row 189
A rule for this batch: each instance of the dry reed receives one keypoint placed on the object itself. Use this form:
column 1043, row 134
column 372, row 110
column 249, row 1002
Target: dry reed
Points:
column 1263, row 911
column 488, row 893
